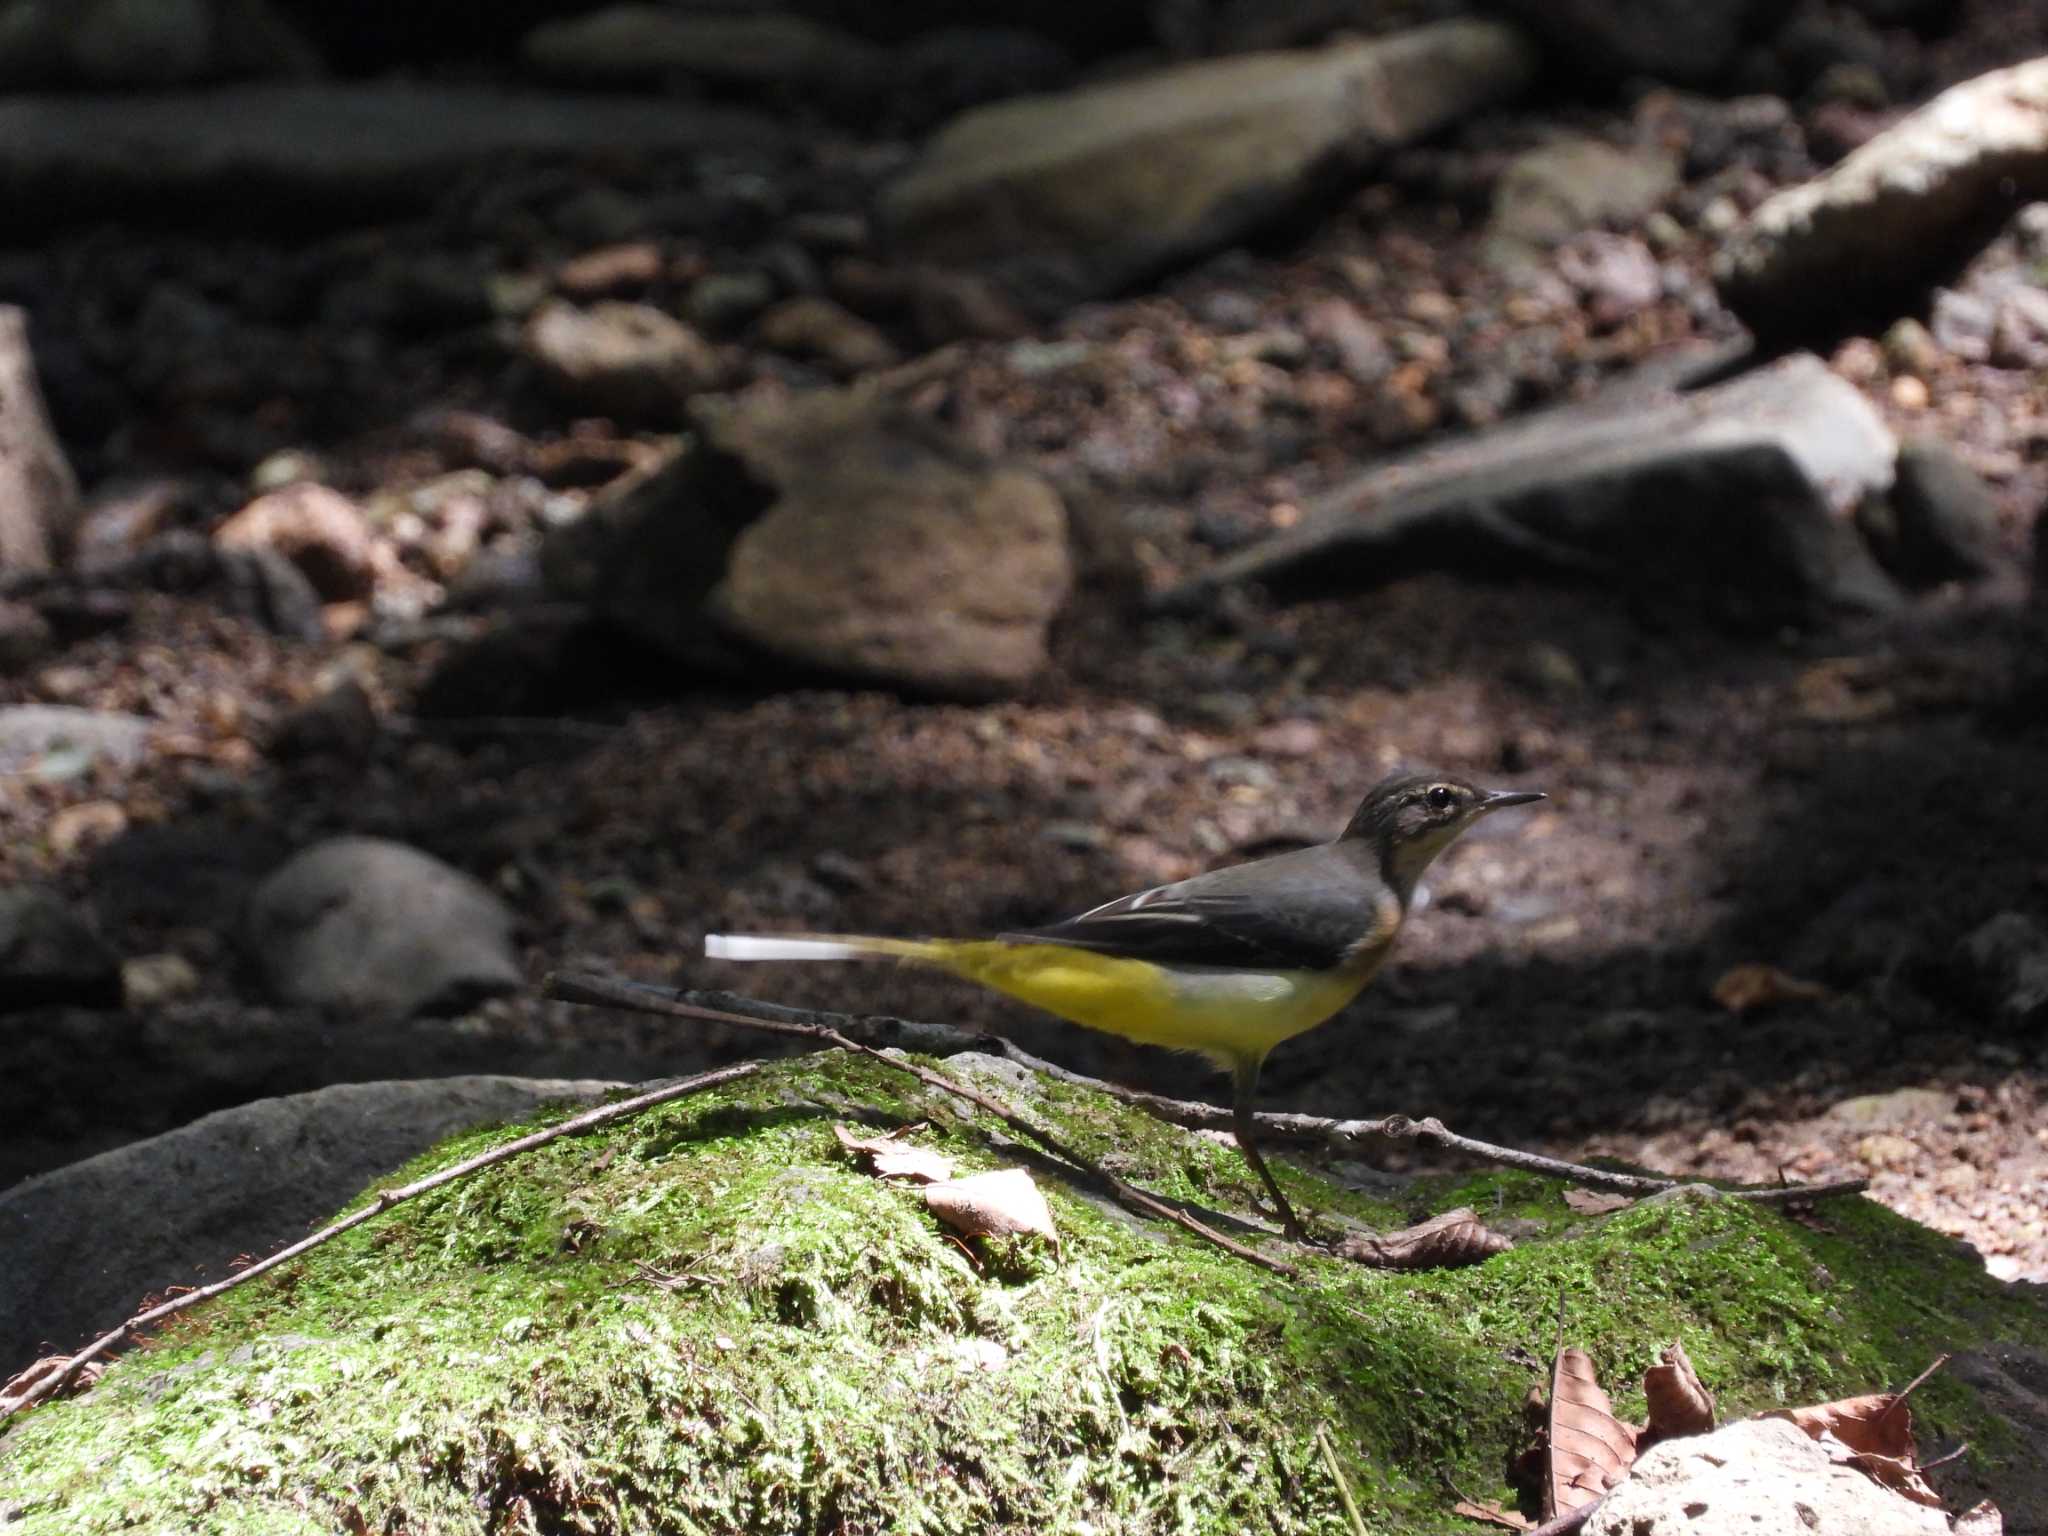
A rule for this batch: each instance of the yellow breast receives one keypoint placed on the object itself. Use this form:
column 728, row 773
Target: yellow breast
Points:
column 1221, row 1013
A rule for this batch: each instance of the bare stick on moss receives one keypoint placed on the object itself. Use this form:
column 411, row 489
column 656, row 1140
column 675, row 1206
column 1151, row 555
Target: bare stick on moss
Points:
column 1304, row 1130
column 640, row 997
column 1329, row 1450
column 59, row 1378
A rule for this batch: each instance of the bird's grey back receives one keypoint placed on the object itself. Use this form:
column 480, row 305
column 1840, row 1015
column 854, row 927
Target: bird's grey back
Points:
column 1310, row 910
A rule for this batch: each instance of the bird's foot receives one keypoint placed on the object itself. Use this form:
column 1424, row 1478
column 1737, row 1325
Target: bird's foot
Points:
column 1292, row 1227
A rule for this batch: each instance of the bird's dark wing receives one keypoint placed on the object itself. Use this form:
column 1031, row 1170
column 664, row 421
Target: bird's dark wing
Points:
column 1298, row 911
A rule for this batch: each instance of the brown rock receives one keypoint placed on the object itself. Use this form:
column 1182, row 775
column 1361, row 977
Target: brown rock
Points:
column 319, row 531
column 815, row 327
column 629, row 360
column 838, row 531
column 892, row 553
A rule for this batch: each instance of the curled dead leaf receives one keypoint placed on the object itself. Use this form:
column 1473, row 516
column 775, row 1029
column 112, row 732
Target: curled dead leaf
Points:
column 1874, row 1434
column 889, row 1157
column 1590, row 1449
column 1595, row 1202
column 992, row 1204
column 1449, row 1241
column 1746, row 988
column 1678, row 1404
column 14, row 1394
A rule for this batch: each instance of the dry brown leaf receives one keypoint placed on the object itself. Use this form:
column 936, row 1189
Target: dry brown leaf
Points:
column 1493, row 1514
column 1874, row 1434
column 992, row 1204
column 1980, row 1520
column 1449, row 1241
column 891, row 1158
column 14, row 1394
column 1745, row 988
column 1590, row 1449
column 1678, row 1404
column 1595, row 1202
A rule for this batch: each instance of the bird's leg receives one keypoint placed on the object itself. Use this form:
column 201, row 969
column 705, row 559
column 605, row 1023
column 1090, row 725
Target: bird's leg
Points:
column 1245, row 1082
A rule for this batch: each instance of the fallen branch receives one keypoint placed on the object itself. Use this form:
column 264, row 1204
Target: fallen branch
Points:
column 1302, row 1130
column 1352, row 1517
column 1570, row 1521
column 642, row 997
column 59, row 1378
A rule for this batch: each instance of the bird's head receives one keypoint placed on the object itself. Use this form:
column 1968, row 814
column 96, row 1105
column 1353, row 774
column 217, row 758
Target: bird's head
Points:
column 1412, row 817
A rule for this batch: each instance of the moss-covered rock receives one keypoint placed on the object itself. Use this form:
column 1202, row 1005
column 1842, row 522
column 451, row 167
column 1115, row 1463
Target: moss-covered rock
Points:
column 705, row 1319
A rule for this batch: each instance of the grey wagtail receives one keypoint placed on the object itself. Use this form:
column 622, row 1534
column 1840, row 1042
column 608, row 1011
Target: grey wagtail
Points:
column 1227, row 964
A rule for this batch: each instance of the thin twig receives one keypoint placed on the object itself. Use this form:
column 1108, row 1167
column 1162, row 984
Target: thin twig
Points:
column 642, row 997
column 60, row 1380
column 1571, row 1520
column 1899, row 1397
column 1946, row 1457
column 1329, row 1450
column 1306, row 1130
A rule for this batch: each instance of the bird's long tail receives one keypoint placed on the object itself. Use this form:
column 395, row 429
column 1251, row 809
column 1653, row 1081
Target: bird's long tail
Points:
column 1125, row 997
column 822, row 946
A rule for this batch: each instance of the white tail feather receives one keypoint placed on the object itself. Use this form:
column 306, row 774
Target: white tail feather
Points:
column 756, row 946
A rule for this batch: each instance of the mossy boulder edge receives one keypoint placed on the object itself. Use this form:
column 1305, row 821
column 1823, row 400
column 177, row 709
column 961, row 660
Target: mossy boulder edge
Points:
column 705, row 1319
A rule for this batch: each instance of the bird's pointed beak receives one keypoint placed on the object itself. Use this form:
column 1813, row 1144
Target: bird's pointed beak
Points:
column 1501, row 799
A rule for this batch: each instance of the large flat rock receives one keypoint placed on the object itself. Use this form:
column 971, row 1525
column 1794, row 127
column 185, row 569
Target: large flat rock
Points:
column 1896, row 212
column 80, row 1246
column 1742, row 492
column 1081, row 192
column 315, row 151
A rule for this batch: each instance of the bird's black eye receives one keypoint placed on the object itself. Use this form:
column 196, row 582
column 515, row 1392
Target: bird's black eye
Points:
column 1441, row 797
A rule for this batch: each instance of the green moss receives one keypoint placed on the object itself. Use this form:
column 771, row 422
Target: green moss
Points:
column 706, row 1320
